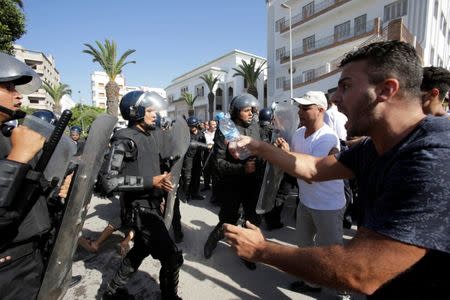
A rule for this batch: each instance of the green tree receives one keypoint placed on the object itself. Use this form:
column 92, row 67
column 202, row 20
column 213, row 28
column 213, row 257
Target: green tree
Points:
column 189, row 99
column 83, row 116
column 12, row 23
column 57, row 92
column 106, row 56
column 210, row 81
column 250, row 73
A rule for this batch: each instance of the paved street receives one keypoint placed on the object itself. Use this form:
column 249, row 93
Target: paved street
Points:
column 223, row 276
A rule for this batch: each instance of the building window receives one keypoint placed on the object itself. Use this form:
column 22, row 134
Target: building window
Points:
column 440, row 62
column 184, row 89
column 280, row 24
column 280, row 53
column 436, row 7
column 170, row 98
column 308, row 10
column 245, row 83
column 432, row 56
column 200, row 90
column 360, row 24
column 342, row 31
column 395, row 10
column 280, row 82
column 443, row 23
column 309, row 43
column 308, row 75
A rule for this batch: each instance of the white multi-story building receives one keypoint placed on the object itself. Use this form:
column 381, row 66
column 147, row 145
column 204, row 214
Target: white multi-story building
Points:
column 99, row 79
column 323, row 31
column 44, row 65
column 227, row 87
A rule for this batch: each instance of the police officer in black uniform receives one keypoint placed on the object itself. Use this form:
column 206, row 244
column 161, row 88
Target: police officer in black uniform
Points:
column 21, row 226
column 192, row 164
column 135, row 170
column 75, row 135
column 239, row 180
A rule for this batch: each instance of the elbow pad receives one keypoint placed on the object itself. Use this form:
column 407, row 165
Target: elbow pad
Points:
column 123, row 184
column 11, row 177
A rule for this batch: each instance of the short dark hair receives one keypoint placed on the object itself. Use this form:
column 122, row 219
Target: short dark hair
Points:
column 390, row 59
column 436, row 77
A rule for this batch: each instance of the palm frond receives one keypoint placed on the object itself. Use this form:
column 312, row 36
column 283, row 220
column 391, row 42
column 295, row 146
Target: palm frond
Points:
column 210, row 80
column 188, row 98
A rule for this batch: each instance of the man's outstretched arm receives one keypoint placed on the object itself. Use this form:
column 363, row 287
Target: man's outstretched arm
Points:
column 306, row 167
column 364, row 264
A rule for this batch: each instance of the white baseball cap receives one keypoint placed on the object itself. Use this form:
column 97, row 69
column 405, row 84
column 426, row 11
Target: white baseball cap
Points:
column 313, row 97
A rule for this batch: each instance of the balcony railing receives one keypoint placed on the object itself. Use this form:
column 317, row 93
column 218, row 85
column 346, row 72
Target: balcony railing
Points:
column 317, row 9
column 334, row 40
column 394, row 30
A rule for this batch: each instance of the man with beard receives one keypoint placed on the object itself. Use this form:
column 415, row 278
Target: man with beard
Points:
column 402, row 170
column 134, row 169
column 240, row 180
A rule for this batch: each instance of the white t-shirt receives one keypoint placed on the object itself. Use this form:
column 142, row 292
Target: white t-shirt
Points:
column 336, row 120
column 209, row 137
column 325, row 195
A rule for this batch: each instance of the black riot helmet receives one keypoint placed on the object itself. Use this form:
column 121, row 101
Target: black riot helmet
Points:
column 76, row 129
column 22, row 76
column 193, row 121
column 265, row 116
column 46, row 115
column 133, row 105
column 242, row 101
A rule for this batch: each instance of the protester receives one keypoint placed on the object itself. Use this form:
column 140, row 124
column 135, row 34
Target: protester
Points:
column 402, row 171
column 321, row 204
column 435, row 86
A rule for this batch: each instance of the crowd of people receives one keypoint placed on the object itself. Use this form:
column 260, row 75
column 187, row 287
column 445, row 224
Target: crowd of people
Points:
column 374, row 154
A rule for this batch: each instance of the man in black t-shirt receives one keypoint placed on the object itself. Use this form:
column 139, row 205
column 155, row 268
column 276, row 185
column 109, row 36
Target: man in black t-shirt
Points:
column 402, row 171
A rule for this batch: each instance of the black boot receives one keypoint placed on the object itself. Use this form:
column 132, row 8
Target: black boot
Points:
column 116, row 287
column 168, row 277
column 214, row 237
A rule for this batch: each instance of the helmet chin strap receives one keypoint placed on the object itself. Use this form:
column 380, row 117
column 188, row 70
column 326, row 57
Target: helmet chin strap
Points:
column 14, row 114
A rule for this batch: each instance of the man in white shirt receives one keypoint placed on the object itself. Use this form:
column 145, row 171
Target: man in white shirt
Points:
column 336, row 120
column 321, row 207
column 207, row 171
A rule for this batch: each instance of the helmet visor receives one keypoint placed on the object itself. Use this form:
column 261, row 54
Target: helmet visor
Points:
column 153, row 100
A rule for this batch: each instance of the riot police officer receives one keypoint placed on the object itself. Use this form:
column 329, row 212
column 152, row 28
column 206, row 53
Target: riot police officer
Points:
column 239, row 180
column 134, row 169
column 21, row 226
column 192, row 164
column 75, row 135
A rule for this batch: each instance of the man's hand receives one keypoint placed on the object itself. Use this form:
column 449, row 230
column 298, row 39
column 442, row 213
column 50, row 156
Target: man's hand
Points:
column 250, row 166
column 65, row 186
column 25, row 144
column 282, row 144
column 247, row 242
column 163, row 182
column 247, row 144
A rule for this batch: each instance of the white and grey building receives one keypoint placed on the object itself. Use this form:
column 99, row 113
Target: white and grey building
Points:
column 227, row 87
column 322, row 31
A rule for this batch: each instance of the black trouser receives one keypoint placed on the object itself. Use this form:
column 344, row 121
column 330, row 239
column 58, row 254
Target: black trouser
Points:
column 207, row 169
column 244, row 191
column 190, row 173
column 21, row 278
column 151, row 237
column 176, row 220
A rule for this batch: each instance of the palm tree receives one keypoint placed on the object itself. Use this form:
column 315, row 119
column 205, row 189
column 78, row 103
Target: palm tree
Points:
column 106, row 56
column 210, row 81
column 189, row 99
column 57, row 92
column 250, row 73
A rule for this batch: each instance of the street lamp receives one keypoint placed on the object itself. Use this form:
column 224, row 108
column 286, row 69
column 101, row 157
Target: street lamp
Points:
column 284, row 5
